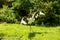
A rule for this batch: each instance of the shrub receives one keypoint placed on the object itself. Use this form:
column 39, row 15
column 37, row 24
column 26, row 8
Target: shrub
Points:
column 7, row 15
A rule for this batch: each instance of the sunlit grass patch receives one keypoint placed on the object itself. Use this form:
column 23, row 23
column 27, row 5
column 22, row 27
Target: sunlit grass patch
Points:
column 24, row 32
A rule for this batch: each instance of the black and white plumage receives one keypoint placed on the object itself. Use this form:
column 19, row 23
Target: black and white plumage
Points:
column 31, row 19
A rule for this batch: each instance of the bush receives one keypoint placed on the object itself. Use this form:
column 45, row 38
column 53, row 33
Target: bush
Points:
column 8, row 15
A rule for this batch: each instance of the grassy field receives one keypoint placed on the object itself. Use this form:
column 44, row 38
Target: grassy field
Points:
column 24, row 32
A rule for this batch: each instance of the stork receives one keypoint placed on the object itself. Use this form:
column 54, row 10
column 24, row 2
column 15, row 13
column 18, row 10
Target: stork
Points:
column 33, row 18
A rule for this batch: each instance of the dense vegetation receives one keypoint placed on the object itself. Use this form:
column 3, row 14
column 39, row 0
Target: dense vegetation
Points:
column 11, row 11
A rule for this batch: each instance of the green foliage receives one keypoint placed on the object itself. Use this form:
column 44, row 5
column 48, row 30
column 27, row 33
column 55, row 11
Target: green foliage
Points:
column 16, row 9
column 51, row 9
column 40, row 20
column 7, row 15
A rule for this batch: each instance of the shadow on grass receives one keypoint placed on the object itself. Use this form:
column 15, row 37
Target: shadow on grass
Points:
column 1, row 36
column 43, row 25
column 32, row 35
column 46, row 25
column 51, row 25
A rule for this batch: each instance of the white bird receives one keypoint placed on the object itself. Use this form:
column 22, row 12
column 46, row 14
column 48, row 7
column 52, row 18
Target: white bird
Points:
column 23, row 22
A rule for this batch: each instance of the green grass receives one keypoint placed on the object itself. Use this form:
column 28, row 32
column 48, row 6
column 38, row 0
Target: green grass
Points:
column 24, row 32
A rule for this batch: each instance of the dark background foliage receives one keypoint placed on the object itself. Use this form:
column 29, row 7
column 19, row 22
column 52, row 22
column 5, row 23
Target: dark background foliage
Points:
column 11, row 11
